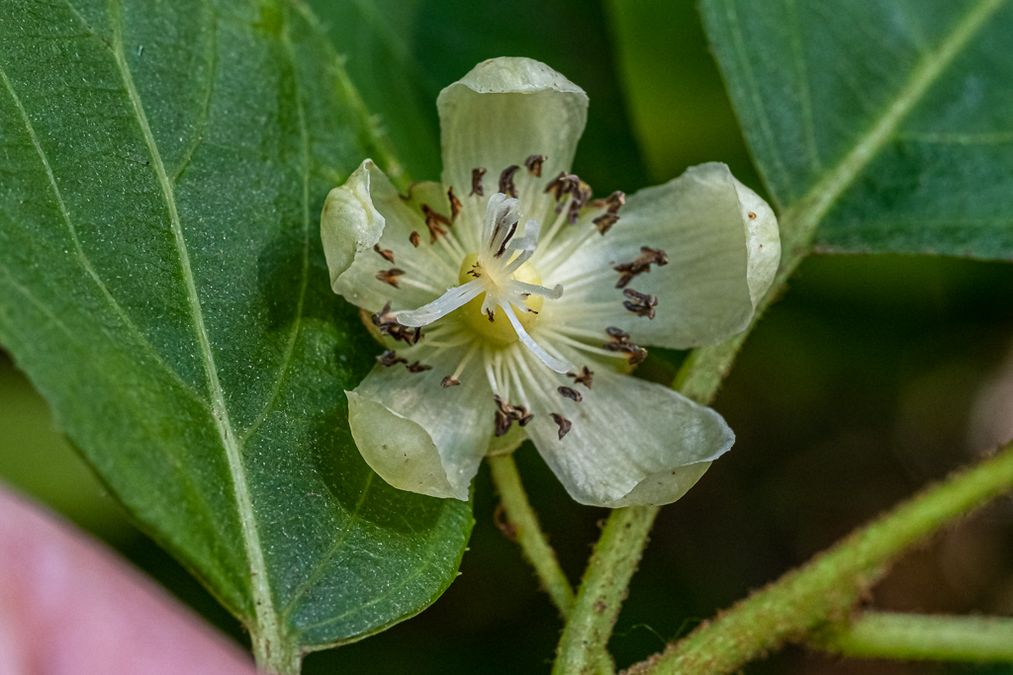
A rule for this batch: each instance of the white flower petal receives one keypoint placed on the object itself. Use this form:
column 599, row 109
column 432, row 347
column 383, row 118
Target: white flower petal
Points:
column 367, row 211
column 721, row 260
column 630, row 442
column 502, row 112
column 418, row 435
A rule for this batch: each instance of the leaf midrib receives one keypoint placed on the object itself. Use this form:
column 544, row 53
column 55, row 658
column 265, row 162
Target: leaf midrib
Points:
column 266, row 625
column 807, row 213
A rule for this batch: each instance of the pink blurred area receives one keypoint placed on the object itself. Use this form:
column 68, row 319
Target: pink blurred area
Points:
column 69, row 606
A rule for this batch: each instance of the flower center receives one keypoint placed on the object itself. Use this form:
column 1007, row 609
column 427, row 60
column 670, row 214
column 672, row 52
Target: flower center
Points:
column 496, row 281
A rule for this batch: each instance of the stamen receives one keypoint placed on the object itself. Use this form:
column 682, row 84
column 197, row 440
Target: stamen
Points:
column 414, row 238
column 455, row 204
column 579, row 191
column 385, row 253
column 534, row 164
column 390, row 276
column 641, row 304
column 449, row 381
column 613, row 203
column 390, row 358
column 585, row 377
column 507, row 414
column 620, row 342
column 648, row 256
column 387, row 324
column 563, row 424
column 506, row 180
column 476, row 182
column 435, row 222
column 418, row 367
column 570, row 393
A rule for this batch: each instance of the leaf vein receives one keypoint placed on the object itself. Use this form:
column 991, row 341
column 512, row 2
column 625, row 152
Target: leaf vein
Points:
column 266, row 627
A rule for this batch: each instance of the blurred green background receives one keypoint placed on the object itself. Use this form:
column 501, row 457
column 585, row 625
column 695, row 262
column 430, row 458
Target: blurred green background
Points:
column 872, row 376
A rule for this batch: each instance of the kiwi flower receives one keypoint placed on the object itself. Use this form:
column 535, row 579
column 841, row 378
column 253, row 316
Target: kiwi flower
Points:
column 514, row 303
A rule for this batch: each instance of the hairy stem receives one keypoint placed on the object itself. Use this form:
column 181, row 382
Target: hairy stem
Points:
column 887, row 635
column 535, row 546
column 528, row 532
column 615, row 559
column 826, row 588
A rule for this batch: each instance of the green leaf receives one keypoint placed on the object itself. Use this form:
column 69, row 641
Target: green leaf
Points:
column 162, row 283
column 889, row 123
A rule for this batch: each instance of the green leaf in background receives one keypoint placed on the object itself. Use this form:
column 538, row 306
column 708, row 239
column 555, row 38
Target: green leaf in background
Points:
column 891, row 120
column 400, row 53
column 161, row 282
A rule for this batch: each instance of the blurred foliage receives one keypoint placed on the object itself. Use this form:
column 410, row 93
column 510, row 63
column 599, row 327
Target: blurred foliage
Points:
column 856, row 389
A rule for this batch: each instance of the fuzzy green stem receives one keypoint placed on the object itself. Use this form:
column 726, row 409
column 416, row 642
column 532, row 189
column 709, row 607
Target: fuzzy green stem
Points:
column 529, row 535
column 535, row 546
column 826, row 588
column 914, row 637
column 615, row 559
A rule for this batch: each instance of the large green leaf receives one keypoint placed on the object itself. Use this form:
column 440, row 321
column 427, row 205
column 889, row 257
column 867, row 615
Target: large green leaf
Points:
column 162, row 283
column 889, row 122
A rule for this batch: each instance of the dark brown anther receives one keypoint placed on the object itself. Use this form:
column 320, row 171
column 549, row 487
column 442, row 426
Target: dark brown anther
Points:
column 449, row 381
column 491, row 314
column 455, row 204
column 385, row 253
column 641, row 304
column 585, row 377
column 506, row 180
column 418, row 367
column 617, row 333
column 615, row 201
column 570, row 393
column 390, row 276
column 414, row 238
column 648, row 256
column 534, row 164
column 476, row 182
column 475, row 271
column 390, row 358
column 580, row 197
column 437, row 223
column 562, row 184
column 507, row 414
column 563, row 424
column 620, row 342
column 386, row 324
column 605, row 221
column 635, row 354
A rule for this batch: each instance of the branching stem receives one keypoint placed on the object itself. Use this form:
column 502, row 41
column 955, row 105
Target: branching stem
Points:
column 826, row 588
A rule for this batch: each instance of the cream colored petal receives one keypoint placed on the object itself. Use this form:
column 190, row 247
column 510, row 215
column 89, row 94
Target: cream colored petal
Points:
column 418, row 435
column 630, row 442
column 721, row 243
column 368, row 212
column 501, row 113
